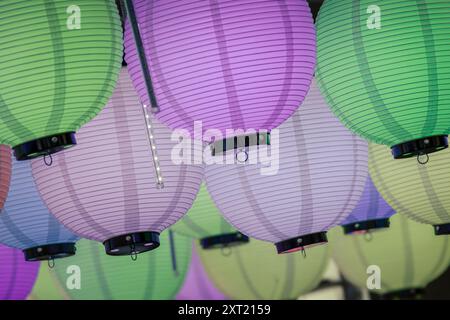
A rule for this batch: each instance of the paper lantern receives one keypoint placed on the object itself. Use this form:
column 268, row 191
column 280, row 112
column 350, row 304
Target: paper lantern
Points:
column 48, row 286
column 205, row 223
column 197, row 285
column 230, row 65
column 370, row 214
column 305, row 189
column 407, row 256
column 5, row 172
column 106, row 189
column 421, row 192
column 26, row 223
column 385, row 70
column 16, row 276
column 60, row 61
column 255, row 272
column 92, row 275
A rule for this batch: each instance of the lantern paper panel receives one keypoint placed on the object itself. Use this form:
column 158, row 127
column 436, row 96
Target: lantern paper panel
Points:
column 205, row 223
column 314, row 181
column 197, row 285
column 106, row 188
column 157, row 275
column 5, row 173
column 60, row 61
column 16, row 276
column 26, row 223
column 370, row 214
column 255, row 272
column 374, row 87
column 408, row 256
column 421, row 192
column 48, row 286
column 204, row 67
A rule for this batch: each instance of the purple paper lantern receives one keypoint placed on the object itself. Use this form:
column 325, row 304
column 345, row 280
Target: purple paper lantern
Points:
column 243, row 64
column 17, row 276
column 313, row 182
column 197, row 285
column 371, row 213
column 106, row 188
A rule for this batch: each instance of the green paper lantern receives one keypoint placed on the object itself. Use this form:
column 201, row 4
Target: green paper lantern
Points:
column 255, row 271
column 205, row 223
column 408, row 256
column 421, row 192
column 47, row 285
column 59, row 63
column 384, row 68
column 155, row 275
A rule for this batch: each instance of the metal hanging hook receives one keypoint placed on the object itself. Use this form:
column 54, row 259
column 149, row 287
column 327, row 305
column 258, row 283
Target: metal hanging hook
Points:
column 303, row 252
column 426, row 160
column 51, row 262
column 48, row 164
column 133, row 253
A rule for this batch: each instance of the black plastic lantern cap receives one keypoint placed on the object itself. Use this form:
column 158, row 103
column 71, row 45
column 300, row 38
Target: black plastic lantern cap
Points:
column 132, row 243
column 442, row 229
column 419, row 147
column 44, row 146
column 224, row 240
column 301, row 242
column 50, row 252
column 406, row 294
column 366, row 226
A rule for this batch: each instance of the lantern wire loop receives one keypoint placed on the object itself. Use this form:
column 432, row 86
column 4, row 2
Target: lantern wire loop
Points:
column 51, row 262
column 226, row 251
column 133, row 253
column 368, row 236
column 141, row 53
column 427, row 158
column 50, row 162
column 303, row 252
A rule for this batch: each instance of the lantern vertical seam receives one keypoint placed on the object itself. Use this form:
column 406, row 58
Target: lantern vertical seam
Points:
column 246, row 277
column 100, row 272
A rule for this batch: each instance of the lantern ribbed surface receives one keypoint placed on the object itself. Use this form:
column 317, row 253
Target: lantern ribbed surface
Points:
column 197, row 285
column 5, row 173
column 48, row 286
column 55, row 76
column 319, row 179
column 107, row 186
column 408, row 255
column 151, row 277
column 230, row 64
column 256, row 272
column 370, row 207
column 25, row 221
column 385, row 67
column 203, row 219
column 17, row 277
column 421, row 192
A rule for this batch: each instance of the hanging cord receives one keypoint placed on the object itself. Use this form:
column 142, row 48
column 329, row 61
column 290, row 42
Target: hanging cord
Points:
column 151, row 140
column 173, row 254
column 426, row 159
column 133, row 253
column 132, row 18
column 51, row 262
column 48, row 164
